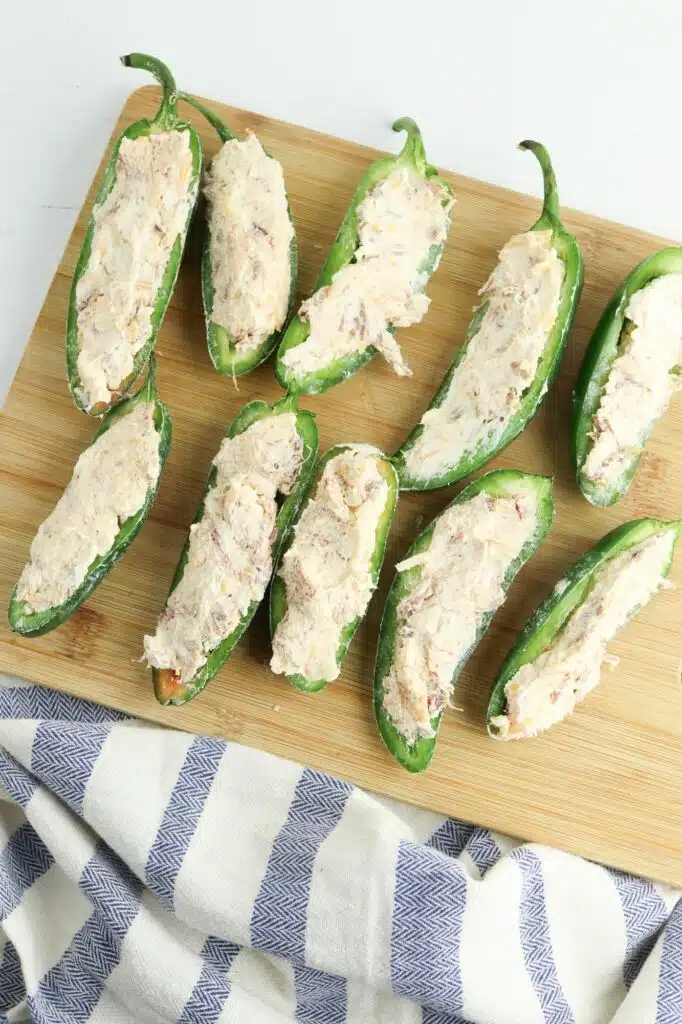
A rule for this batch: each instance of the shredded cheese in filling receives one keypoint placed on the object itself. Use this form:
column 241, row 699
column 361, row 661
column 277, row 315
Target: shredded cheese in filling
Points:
column 326, row 570
column 109, row 484
column 641, row 381
column 461, row 581
column 135, row 229
column 398, row 222
column 230, row 550
column 500, row 362
column 250, row 239
column 546, row 690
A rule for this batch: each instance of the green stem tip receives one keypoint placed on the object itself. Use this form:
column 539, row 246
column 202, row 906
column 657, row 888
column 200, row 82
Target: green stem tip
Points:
column 168, row 110
column 414, row 144
column 224, row 133
column 551, row 201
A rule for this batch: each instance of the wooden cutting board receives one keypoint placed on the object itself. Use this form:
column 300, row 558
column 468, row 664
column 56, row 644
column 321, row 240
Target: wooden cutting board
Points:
column 604, row 784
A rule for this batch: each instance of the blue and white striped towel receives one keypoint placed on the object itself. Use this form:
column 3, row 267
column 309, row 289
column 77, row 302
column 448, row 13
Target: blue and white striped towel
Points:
column 150, row 875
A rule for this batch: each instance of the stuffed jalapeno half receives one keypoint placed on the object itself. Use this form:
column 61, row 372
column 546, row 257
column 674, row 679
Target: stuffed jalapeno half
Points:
column 103, row 508
column 131, row 254
column 445, row 592
column 510, row 354
column 330, row 567
column 248, row 268
column 254, row 487
column 388, row 245
column 630, row 370
column 558, row 657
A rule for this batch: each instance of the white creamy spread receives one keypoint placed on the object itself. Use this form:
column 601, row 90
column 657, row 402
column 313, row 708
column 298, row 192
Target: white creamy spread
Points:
column 250, row 239
column 461, row 581
column 135, row 229
column 500, row 362
column 230, row 550
column 641, row 381
column 326, row 570
column 546, row 690
column 109, row 484
column 398, row 222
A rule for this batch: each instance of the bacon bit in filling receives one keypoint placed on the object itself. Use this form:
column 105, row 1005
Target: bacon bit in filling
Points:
column 460, row 582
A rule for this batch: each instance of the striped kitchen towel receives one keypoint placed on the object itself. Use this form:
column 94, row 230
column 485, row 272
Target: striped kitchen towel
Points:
column 151, row 875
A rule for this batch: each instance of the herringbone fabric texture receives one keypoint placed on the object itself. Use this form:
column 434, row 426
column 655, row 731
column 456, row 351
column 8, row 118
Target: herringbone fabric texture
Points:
column 149, row 875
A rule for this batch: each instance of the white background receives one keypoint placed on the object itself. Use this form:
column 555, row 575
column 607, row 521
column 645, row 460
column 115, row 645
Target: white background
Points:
column 599, row 81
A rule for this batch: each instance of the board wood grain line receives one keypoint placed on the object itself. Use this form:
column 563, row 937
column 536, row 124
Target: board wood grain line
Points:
column 605, row 784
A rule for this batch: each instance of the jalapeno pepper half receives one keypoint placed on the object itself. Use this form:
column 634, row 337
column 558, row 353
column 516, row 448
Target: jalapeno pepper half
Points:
column 165, row 120
column 546, row 624
column 503, row 483
column 169, row 689
column 222, row 347
column 278, row 590
column 495, row 440
column 342, row 252
column 34, row 623
column 605, row 346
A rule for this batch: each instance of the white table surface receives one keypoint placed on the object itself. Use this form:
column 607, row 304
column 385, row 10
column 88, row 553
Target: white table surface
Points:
column 599, row 81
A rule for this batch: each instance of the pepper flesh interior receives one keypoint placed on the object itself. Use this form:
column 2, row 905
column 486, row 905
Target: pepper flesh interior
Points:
column 461, row 581
column 109, row 484
column 230, row 551
column 499, row 364
column 326, row 569
column 250, row 238
column 641, row 379
column 135, row 229
column 546, row 690
column 401, row 220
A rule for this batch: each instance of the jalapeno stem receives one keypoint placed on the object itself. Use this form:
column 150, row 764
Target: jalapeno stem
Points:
column 167, row 113
column 224, row 133
column 551, row 202
column 414, row 144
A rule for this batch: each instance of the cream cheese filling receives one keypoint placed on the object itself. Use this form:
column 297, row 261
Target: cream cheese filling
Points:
column 135, row 229
column 326, row 570
column 641, row 380
column 500, row 362
column 229, row 562
column 546, row 690
column 462, row 576
column 109, row 484
column 399, row 221
column 250, row 239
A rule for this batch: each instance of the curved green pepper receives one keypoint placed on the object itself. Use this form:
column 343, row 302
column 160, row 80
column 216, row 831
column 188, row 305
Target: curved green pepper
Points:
column 221, row 345
column 167, row 687
column 342, row 252
column 568, row 251
column 602, row 352
column 165, row 120
column 501, row 483
column 36, row 623
column 549, row 618
column 278, row 590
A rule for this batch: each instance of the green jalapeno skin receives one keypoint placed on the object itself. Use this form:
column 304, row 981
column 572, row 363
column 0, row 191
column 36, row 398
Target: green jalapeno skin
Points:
column 170, row 690
column 501, row 483
column 221, row 345
column 278, row 590
column 602, row 352
column 165, row 120
column 36, row 623
column 569, row 252
column 549, row 618
column 342, row 253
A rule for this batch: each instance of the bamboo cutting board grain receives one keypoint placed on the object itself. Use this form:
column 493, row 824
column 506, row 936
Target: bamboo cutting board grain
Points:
column 604, row 784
